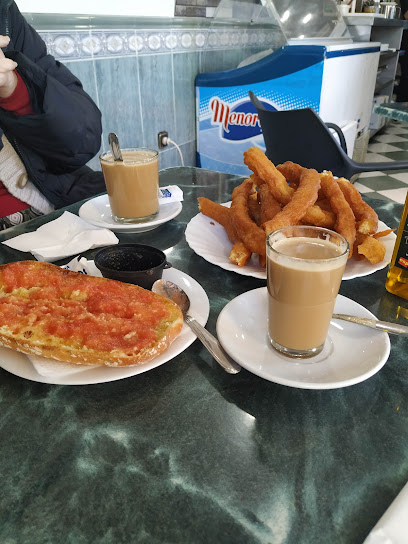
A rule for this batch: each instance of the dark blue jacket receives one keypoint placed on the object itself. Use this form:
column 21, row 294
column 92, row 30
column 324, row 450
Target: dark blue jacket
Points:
column 64, row 133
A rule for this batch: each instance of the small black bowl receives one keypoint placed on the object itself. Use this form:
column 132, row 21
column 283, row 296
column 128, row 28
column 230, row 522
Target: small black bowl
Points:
column 132, row 263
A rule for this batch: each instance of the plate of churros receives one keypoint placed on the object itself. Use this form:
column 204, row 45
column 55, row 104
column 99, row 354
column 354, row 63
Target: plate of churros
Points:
column 208, row 239
column 232, row 235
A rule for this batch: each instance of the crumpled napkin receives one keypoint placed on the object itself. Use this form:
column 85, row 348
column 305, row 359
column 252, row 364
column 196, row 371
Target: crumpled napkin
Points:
column 67, row 235
column 392, row 528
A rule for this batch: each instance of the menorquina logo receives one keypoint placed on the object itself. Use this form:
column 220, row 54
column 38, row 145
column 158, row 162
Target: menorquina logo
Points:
column 238, row 121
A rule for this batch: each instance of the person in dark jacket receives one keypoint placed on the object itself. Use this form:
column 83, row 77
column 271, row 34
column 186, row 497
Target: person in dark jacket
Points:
column 51, row 127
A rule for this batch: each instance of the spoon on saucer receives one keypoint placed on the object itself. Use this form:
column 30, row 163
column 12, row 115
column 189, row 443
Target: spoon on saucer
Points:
column 115, row 147
column 175, row 293
column 391, row 328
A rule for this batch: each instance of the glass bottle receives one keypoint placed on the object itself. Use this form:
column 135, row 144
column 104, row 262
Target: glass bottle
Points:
column 397, row 277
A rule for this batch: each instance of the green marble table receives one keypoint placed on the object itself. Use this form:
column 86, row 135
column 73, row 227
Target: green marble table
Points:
column 187, row 453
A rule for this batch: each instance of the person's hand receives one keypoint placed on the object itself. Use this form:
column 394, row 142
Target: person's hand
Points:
column 8, row 78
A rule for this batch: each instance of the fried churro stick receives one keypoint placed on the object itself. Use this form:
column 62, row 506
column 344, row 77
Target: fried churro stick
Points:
column 269, row 205
column 382, row 233
column 254, row 208
column 291, row 171
column 219, row 213
column 248, row 231
column 370, row 247
column 259, row 163
column 345, row 220
column 367, row 219
column 305, row 195
column 257, row 181
column 239, row 254
column 320, row 214
column 319, row 217
column 323, row 203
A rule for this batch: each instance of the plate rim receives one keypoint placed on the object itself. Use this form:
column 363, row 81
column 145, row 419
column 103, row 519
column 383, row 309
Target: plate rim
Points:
column 304, row 384
column 131, row 227
column 123, row 372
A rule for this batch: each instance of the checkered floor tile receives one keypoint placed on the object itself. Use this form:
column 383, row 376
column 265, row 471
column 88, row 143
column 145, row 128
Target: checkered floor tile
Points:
column 391, row 144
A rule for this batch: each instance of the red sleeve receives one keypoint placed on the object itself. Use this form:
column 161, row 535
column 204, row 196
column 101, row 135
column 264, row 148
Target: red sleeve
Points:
column 10, row 204
column 19, row 100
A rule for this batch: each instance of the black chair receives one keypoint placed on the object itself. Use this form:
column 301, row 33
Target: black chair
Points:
column 302, row 137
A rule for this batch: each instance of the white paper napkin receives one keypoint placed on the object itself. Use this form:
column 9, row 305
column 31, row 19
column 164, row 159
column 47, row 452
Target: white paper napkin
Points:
column 392, row 528
column 57, row 369
column 169, row 194
column 65, row 236
column 83, row 266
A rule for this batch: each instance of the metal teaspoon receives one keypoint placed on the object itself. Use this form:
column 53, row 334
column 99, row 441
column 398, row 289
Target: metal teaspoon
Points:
column 173, row 292
column 115, row 147
column 391, row 328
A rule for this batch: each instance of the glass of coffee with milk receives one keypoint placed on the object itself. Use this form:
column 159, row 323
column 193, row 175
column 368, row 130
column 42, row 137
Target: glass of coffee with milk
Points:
column 132, row 184
column 305, row 265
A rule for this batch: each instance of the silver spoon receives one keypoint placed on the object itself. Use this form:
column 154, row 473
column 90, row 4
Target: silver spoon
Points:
column 115, row 147
column 392, row 328
column 172, row 291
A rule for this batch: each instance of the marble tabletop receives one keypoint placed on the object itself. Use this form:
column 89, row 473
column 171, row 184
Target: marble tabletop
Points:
column 187, row 453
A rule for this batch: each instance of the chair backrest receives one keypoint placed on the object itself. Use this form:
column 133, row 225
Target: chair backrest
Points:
column 300, row 136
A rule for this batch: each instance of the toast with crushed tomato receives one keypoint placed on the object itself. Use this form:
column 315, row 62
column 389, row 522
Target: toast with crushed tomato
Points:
column 67, row 316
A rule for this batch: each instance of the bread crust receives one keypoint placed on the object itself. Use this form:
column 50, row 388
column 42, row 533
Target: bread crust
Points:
column 33, row 339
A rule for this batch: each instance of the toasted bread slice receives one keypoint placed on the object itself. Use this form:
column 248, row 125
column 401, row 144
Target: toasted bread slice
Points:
column 67, row 316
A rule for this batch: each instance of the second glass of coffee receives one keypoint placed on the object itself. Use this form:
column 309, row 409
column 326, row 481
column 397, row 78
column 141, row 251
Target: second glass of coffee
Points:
column 132, row 184
column 304, row 270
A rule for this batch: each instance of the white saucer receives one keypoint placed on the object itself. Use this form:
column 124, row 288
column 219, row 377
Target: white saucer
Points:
column 20, row 365
column 352, row 353
column 98, row 212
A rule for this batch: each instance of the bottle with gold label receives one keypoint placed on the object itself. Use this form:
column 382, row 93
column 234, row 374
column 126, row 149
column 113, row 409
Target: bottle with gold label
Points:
column 397, row 277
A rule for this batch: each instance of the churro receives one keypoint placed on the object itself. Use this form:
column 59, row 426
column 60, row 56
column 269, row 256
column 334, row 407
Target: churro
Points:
column 305, row 195
column 345, row 221
column 239, row 254
column 367, row 219
column 247, row 230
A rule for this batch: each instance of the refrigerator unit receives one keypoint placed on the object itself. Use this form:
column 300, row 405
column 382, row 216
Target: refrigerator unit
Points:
column 332, row 75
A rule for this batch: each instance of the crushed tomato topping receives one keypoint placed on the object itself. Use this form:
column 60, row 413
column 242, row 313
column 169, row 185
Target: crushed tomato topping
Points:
column 98, row 314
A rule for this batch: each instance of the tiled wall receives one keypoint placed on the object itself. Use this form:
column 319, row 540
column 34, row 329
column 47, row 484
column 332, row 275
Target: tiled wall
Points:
column 141, row 72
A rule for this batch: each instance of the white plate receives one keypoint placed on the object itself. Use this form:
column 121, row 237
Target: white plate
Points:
column 98, row 212
column 208, row 239
column 358, row 269
column 352, row 353
column 19, row 364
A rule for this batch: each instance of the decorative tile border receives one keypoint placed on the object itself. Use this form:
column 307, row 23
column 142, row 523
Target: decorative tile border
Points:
column 87, row 44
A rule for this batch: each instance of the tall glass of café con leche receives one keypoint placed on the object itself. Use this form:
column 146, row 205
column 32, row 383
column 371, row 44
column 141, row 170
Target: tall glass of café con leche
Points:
column 305, row 265
column 132, row 184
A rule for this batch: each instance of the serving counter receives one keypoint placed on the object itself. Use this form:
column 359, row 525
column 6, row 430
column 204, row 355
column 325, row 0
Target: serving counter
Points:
column 187, row 453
